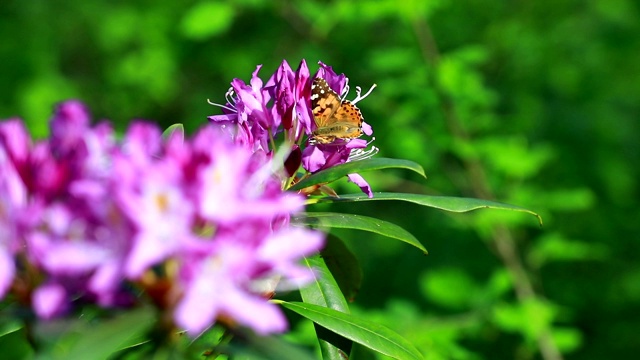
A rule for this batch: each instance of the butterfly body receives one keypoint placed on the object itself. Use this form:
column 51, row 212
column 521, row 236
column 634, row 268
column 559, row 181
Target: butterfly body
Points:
column 334, row 118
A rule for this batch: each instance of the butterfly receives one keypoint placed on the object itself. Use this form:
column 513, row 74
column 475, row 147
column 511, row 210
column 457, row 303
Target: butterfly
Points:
column 335, row 118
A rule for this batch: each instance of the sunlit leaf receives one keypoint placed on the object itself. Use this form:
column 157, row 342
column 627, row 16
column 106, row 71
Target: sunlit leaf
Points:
column 337, row 172
column 13, row 341
column 359, row 222
column 450, row 288
column 324, row 291
column 344, row 266
column 567, row 339
column 174, row 130
column 205, row 19
column 367, row 333
column 252, row 347
column 448, row 203
column 83, row 340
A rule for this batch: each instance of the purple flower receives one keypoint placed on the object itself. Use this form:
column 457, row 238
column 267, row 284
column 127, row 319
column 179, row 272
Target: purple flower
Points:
column 68, row 126
column 259, row 113
column 247, row 108
column 162, row 214
column 210, row 182
column 7, row 266
column 291, row 92
column 81, row 233
column 12, row 202
column 235, row 186
column 247, row 111
column 323, row 156
column 221, row 280
column 92, row 216
column 16, row 143
column 50, row 300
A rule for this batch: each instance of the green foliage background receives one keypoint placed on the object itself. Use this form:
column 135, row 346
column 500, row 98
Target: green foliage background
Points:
column 534, row 103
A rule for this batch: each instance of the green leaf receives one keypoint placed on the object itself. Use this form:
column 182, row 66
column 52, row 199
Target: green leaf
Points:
column 359, row 222
column 336, row 172
column 9, row 325
column 344, row 266
column 207, row 19
column 83, row 340
column 325, row 292
column 248, row 346
column 369, row 334
column 448, row 203
column 14, row 344
column 174, row 130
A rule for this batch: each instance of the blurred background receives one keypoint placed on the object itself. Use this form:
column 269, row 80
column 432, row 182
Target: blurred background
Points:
column 533, row 103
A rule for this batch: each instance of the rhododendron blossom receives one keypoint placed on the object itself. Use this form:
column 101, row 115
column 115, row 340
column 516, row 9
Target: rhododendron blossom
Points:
column 100, row 220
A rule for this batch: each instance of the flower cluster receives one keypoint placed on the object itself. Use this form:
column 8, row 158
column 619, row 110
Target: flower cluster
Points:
column 260, row 112
column 199, row 225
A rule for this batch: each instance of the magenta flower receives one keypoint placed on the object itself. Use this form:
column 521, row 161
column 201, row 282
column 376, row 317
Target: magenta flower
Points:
column 75, row 233
column 259, row 112
column 235, row 187
column 289, row 104
column 147, row 188
column 12, row 202
column 247, row 108
column 319, row 157
column 50, row 300
column 94, row 217
column 291, row 92
column 162, row 214
column 97, row 228
column 226, row 278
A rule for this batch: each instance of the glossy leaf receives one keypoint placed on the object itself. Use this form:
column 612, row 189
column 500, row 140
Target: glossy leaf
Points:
column 250, row 346
column 174, row 130
column 448, row 203
column 83, row 340
column 344, row 266
column 14, row 344
column 337, row 172
column 367, row 333
column 359, row 222
column 324, row 291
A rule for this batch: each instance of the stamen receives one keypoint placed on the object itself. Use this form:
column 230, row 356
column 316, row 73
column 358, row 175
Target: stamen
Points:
column 230, row 96
column 361, row 154
column 222, row 106
column 231, row 101
column 346, row 89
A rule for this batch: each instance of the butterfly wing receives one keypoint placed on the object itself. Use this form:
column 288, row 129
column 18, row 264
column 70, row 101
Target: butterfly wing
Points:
column 324, row 102
column 349, row 119
column 334, row 118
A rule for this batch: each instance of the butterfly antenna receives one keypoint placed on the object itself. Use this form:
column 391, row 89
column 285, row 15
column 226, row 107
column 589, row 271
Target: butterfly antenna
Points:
column 359, row 91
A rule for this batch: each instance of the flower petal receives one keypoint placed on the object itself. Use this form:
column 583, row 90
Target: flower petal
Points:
column 362, row 183
column 49, row 300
